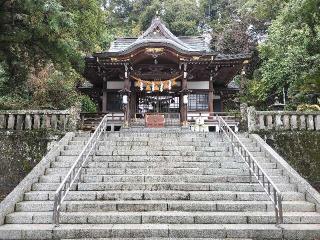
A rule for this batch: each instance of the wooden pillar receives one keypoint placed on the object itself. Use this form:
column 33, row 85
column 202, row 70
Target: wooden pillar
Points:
column 104, row 95
column 132, row 101
column 211, row 107
column 126, row 91
column 183, row 106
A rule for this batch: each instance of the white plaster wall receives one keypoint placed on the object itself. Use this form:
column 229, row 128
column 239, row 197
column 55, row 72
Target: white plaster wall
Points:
column 115, row 85
column 198, row 85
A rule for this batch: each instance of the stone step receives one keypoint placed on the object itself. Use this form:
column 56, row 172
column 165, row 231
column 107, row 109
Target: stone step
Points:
column 172, row 164
column 161, row 139
column 57, row 178
column 161, row 195
column 164, row 205
column 163, row 186
column 160, row 217
column 159, row 159
column 158, row 231
column 163, row 171
column 156, row 153
column 157, row 238
column 168, row 142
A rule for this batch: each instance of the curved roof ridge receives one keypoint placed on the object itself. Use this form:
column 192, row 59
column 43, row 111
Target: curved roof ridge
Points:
column 152, row 29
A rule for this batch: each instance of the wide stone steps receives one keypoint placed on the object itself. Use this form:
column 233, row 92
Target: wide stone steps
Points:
column 161, row 159
column 57, row 178
column 158, row 231
column 154, row 184
column 161, row 195
column 164, row 205
column 171, row 164
column 162, row 186
column 163, row 171
column 159, row 217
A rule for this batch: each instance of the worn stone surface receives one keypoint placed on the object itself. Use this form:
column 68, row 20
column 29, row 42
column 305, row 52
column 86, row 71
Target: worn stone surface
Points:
column 300, row 149
column 3, row 123
column 28, row 122
column 11, row 121
column 18, row 159
column 310, row 122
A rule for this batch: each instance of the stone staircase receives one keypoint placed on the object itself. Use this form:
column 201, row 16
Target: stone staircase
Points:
column 161, row 184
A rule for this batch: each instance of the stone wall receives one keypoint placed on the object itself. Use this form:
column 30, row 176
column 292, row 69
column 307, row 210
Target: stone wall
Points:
column 300, row 149
column 282, row 120
column 40, row 119
column 20, row 151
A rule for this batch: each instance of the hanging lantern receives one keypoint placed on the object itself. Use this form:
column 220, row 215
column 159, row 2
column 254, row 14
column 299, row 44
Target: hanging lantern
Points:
column 161, row 87
column 141, row 86
column 169, row 85
column 148, row 88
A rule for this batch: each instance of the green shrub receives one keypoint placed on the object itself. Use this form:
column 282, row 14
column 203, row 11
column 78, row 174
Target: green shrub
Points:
column 87, row 105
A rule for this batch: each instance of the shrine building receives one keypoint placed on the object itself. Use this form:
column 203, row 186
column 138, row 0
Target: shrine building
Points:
column 159, row 72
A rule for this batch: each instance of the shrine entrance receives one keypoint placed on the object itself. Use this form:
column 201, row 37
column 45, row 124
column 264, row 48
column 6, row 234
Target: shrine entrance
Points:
column 157, row 109
column 157, row 102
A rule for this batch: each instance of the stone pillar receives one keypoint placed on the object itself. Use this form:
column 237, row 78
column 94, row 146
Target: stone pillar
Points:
column 47, row 121
column 294, row 122
column 261, row 122
column 74, row 117
column 19, row 124
column 43, row 120
column 11, row 121
column 317, row 122
column 62, row 122
column 310, row 123
column 54, row 122
column 3, row 121
column 28, row 122
column 36, row 121
column 302, row 125
column 252, row 119
column 286, row 122
column 278, row 121
column 244, row 112
column 104, row 95
column 269, row 122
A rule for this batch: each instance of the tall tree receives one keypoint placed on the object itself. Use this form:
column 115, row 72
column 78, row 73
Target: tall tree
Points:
column 291, row 54
column 35, row 34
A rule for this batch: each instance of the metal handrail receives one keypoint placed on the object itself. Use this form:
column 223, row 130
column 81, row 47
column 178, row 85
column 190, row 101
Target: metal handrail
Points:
column 75, row 171
column 255, row 169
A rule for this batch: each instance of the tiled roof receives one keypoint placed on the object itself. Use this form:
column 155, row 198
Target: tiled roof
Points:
column 159, row 33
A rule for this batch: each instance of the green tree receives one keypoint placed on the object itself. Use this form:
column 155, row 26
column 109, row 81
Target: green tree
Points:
column 37, row 34
column 291, row 55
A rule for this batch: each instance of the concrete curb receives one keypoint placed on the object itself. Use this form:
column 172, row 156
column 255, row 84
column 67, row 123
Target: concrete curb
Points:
column 303, row 186
column 8, row 204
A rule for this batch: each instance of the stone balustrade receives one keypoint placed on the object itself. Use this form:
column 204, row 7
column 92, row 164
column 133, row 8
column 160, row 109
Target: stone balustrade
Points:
column 282, row 120
column 38, row 119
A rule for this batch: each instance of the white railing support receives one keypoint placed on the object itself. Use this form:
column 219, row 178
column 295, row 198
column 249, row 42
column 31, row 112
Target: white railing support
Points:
column 255, row 169
column 75, row 171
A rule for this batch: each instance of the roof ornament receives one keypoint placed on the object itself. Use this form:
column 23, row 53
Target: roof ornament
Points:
column 157, row 15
